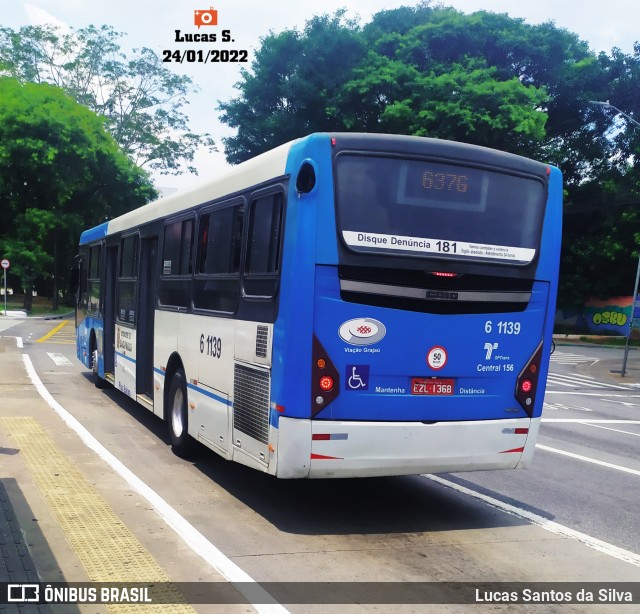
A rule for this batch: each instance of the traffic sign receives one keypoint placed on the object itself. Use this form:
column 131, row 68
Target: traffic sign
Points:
column 5, row 263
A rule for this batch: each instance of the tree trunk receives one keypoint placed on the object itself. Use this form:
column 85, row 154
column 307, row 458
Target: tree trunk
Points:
column 28, row 298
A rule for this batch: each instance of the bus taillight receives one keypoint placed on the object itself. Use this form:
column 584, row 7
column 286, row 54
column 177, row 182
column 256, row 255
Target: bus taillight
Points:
column 325, row 379
column 527, row 384
column 326, row 383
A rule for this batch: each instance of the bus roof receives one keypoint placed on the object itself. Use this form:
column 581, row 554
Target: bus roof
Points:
column 252, row 172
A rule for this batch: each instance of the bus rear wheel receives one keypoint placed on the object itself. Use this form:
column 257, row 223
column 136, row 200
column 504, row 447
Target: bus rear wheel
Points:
column 177, row 416
column 97, row 380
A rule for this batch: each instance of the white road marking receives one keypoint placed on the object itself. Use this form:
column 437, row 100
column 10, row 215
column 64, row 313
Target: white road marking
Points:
column 587, row 459
column 60, row 359
column 566, row 358
column 549, row 525
column 606, row 428
column 189, row 534
column 580, row 380
column 589, row 420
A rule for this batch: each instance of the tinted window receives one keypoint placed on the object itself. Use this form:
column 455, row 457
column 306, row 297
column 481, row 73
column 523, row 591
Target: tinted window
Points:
column 263, row 253
column 175, row 281
column 424, row 208
column 220, row 241
column 176, row 256
column 127, row 281
column 217, row 281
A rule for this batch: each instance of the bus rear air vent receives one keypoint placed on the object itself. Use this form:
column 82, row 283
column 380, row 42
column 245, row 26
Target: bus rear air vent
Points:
column 261, row 341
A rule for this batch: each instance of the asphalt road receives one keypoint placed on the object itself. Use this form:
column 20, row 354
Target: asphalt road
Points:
column 587, row 466
column 472, row 527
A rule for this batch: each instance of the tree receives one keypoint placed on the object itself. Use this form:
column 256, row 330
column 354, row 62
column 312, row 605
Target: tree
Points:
column 295, row 86
column 60, row 172
column 482, row 78
column 141, row 100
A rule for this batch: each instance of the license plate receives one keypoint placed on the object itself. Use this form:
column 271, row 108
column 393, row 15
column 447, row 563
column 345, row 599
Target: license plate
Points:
column 432, row 386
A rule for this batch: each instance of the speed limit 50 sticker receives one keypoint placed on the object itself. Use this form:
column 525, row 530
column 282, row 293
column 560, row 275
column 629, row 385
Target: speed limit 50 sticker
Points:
column 437, row 357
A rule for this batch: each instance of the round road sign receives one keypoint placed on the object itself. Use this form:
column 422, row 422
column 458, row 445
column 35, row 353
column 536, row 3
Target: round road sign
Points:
column 5, row 263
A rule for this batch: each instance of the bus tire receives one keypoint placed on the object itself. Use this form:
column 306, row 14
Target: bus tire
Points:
column 97, row 380
column 177, row 416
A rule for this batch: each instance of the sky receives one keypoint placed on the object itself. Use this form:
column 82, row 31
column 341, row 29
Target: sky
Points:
column 153, row 25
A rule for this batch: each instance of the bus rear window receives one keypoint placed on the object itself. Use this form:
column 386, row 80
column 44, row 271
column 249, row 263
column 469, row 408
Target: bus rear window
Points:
column 432, row 209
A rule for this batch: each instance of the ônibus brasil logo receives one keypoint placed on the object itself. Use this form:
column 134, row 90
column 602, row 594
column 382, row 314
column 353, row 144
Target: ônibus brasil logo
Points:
column 362, row 331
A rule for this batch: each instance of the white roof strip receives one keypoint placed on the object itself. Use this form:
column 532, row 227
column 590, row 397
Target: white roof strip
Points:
column 252, row 172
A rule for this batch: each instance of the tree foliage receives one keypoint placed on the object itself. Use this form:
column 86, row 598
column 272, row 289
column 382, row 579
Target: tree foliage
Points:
column 482, row 78
column 60, row 172
column 141, row 100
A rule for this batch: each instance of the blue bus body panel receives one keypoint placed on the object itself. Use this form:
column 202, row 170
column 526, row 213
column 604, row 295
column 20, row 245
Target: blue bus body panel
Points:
column 83, row 335
column 376, row 378
column 94, row 234
column 484, row 354
column 293, row 329
column 89, row 323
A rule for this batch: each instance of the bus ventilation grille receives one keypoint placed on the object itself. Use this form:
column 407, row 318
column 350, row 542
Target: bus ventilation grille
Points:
column 261, row 341
column 251, row 402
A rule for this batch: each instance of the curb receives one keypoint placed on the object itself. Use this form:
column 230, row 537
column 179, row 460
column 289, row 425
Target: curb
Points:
column 59, row 316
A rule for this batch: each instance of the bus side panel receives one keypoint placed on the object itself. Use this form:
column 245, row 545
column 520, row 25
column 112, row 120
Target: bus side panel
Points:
column 87, row 325
column 166, row 342
column 206, row 346
column 548, row 269
column 125, row 360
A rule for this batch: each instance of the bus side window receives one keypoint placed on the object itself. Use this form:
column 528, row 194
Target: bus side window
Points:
column 173, row 290
column 93, row 281
column 128, row 280
column 263, row 250
column 217, row 282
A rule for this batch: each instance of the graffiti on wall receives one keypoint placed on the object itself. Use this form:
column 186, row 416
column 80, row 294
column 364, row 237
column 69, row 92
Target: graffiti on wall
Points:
column 608, row 316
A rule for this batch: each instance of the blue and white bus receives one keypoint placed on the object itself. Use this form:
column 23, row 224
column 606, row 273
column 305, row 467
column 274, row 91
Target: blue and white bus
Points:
column 343, row 305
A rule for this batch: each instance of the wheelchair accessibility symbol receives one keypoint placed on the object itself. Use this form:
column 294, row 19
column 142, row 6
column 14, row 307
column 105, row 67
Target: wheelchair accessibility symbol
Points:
column 357, row 377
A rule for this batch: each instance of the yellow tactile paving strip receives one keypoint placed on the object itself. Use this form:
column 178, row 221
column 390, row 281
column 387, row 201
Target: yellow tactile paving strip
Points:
column 107, row 549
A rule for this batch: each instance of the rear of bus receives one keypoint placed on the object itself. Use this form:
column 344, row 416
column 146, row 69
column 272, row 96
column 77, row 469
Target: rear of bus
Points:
column 432, row 274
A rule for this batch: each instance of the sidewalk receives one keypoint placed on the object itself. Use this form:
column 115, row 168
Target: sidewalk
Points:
column 32, row 546
column 67, row 516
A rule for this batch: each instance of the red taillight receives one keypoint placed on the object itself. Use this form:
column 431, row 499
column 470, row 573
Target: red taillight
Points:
column 527, row 383
column 325, row 379
column 326, row 383
column 443, row 274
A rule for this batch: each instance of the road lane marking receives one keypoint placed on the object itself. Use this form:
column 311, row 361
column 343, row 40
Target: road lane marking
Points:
column 59, row 359
column 52, row 332
column 566, row 358
column 590, row 420
column 594, row 394
column 241, row 580
column 587, row 459
column 607, row 428
column 592, row 542
column 578, row 380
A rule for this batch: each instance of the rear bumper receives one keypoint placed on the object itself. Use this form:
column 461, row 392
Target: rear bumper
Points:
column 343, row 449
